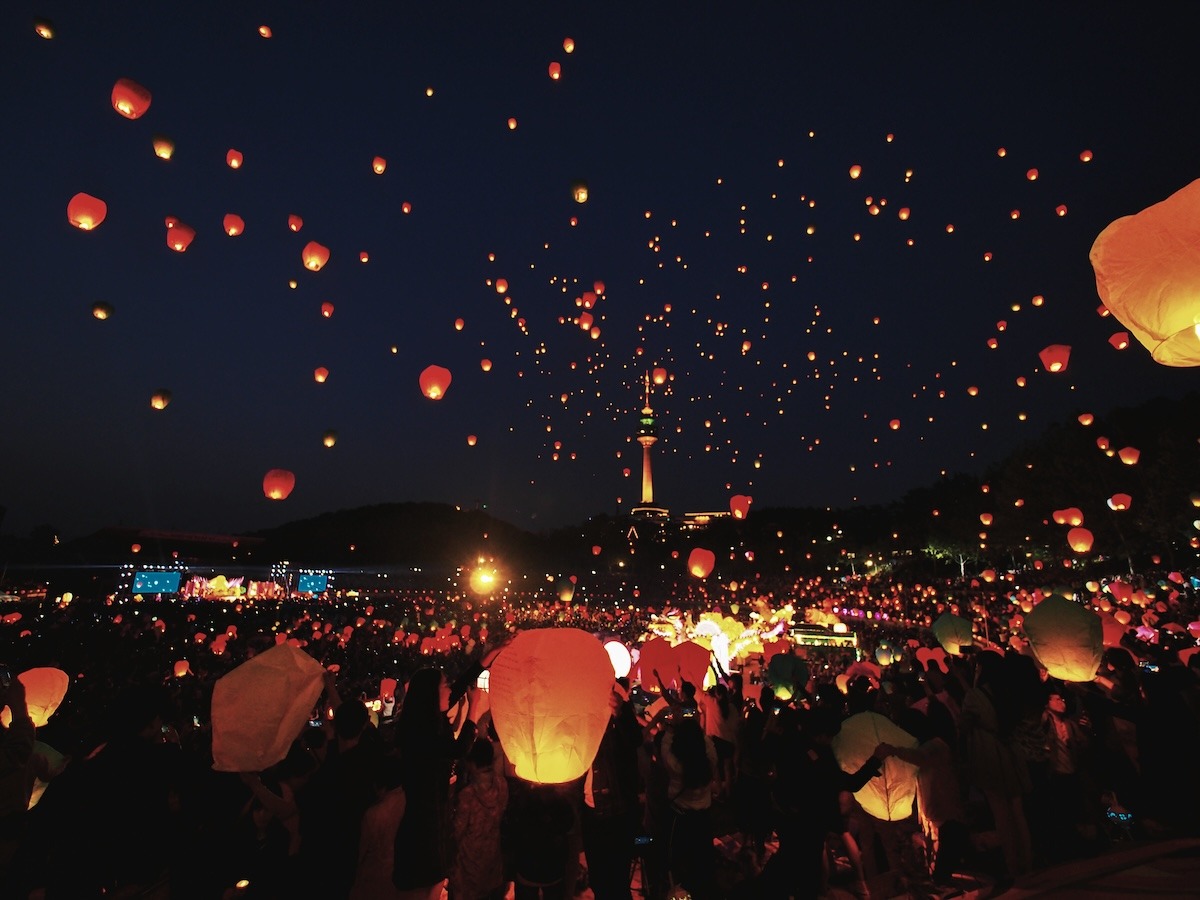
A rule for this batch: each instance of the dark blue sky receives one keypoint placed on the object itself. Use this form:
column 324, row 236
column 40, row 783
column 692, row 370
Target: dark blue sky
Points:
column 682, row 111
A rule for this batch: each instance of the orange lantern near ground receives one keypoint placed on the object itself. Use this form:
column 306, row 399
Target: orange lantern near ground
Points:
column 314, row 255
column 549, row 690
column 1055, row 357
column 700, row 562
column 1066, row 638
column 130, row 99
column 1080, row 539
column 278, row 484
column 434, row 381
column 739, row 505
column 888, row 796
column 85, row 212
column 180, row 236
column 182, row 668
column 233, row 224
column 660, row 375
column 45, row 688
column 1147, row 273
column 953, row 633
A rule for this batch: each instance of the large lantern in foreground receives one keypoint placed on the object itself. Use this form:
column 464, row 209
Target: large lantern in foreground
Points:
column 260, row 707
column 1148, row 275
column 549, row 691
column 889, row 795
column 953, row 633
column 1066, row 638
column 278, row 483
column 45, row 688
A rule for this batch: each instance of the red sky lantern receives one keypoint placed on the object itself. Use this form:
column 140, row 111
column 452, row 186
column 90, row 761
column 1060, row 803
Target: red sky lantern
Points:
column 598, row 287
column 295, row 223
column 182, row 668
column 378, row 165
column 1120, row 340
column 1080, row 540
column 164, row 148
column 986, row 519
column 264, row 31
column 554, row 70
column 234, row 224
column 278, row 484
column 234, row 159
column 326, row 309
column 180, row 237
column 486, row 365
column 1129, row 455
column 739, row 506
column 86, row 212
column 1054, row 358
column 130, row 99
column 314, row 255
column 1086, row 419
column 501, row 285
column 596, row 549
column 44, row 29
column 320, row 374
column 700, row 562
column 1119, row 501
column 855, row 171
column 434, row 382
column 660, row 375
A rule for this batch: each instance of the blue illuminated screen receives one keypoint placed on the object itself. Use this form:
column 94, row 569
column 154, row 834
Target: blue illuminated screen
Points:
column 313, row 584
column 156, row 583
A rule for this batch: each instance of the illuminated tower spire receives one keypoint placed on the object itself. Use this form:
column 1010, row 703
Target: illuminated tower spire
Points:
column 647, row 436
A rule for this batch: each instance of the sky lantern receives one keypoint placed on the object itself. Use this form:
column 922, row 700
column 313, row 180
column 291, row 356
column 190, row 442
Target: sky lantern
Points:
column 234, row 224
column 579, row 191
column 1066, row 638
column 568, row 45
column 953, row 633
column 459, row 324
column 278, row 484
column 329, row 438
column 86, row 212
column 787, row 673
column 314, row 255
column 549, row 690
column 691, row 659
column 986, row 519
column 378, row 165
column 45, row 688
column 1054, row 357
column 512, row 123
column 619, row 656
column 656, row 656
column 739, row 505
column 700, row 562
column 596, row 549
column 660, row 375
column 434, row 381
column 1129, row 455
column 406, row 207
column 326, row 309
column 1120, row 501
column 1086, row 419
column 472, row 440
column 1120, row 340
column 320, row 374
column 160, row 399
column 295, row 223
column 888, row 796
column 1148, row 273
column 102, row 310
column 261, row 706
column 44, row 29
column 501, row 285
column 855, row 171
column 1032, row 174
column 182, row 668
column 180, row 236
column 554, row 70
column 1080, row 539
column 486, row 365
column 130, row 99
column 164, row 147
column 234, row 159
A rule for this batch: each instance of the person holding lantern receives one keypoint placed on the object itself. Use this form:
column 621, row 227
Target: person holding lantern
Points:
column 16, row 750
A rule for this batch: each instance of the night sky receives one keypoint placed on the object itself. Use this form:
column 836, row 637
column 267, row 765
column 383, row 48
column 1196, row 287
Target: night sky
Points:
column 716, row 141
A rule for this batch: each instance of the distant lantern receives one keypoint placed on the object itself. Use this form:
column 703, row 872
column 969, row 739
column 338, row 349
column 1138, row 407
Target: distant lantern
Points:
column 1032, row 174
column 434, row 381
column 1066, row 638
column 472, row 440
column 501, row 286
column 512, row 123
column 486, row 365
column 160, row 399
column 459, row 324
column 182, row 668
column 1086, row 419
column 986, row 519
column 551, row 725
column 903, row 213
column 953, row 633
column 855, row 171
column 1080, row 540
column 234, row 159
column 164, row 148
column 180, row 237
column 894, row 424
column 660, row 375
column 45, row 688
column 700, row 562
column 596, row 549
column 1148, row 274
column 1129, row 455
column 579, row 190
column 130, row 99
column 264, row 31
column 568, row 45
column 102, row 310
column 364, row 256
column 739, row 506
column 1119, row 501
column 295, row 223
column 278, row 483
column 86, row 212
column 44, row 28
column 554, row 70
column 320, row 374
column 406, row 207
column 378, row 165
column 329, row 438
column 135, row 548
column 1055, row 357
column 234, row 225
column 888, row 796
column 314, row 255
column 326, row 309
column 1120, row 340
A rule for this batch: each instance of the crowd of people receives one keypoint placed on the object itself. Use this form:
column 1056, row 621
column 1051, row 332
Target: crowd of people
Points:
column 731, row 790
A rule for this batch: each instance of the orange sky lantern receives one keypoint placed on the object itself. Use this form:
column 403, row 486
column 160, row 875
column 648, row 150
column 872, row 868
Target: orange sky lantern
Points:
column 1080, row 539
column 320, row 374
column 568, row 45
column 234, row 224
column 164, row 148
column 278, row 484
column 85, row 212
column 700, row 562
column 295, row 223
column 486, row 365
column 1066, row 638
column 130, row 99
column 1120, row 340
column 182, row 668
column 329, row 438
column 579, row 191
column 1086, row 419
column 314, row 255
column 660, row 375
column 739, row 505
column 264, row 31
column 234, row 159
column 44, row 29
column 1055, row 357
column 554, row 70
column 326, row 309
column 472, row 440
column 102, row 310
column 459, row 324
column 1129, row 455
column 180, row 237
column 45, row 688
column 512, row 123
column 855, row 171
column 1148, row 275
column 501, row 285
column 160, row 399
column 435, row 380
column 1120, row 501
column 986, row 519
column 378, row 165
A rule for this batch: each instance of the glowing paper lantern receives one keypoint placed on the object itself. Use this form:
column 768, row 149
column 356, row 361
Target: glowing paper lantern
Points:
column 1129, row 455
column 85, row 212
column 327, row 309
column 233, row 224
column 691, row 659
column 889, row 796
column 660, row 375
column 44, row 28
column 278, row 483
column 164, row 148
column 579, row 190
column 1066, row 638
column 700, row 562
column 102, row 310
column 182, row 668
column 260, row 707
column 234, row 159
column 739, row 505
column 1055, row 357
column 953, row 633
column 1080, row 540
column 655, row 656
column 619, row 656
column 295, row 223
column 160, row 399
column 45, row 688
column 314, row 255
column 554, row 70
column 434, row 381
column 180, row 236
column 1147, row 270
column 130, row 99
column 1119, row 501
column 1120, row 340
column 329, row 438
column 549, row 690
column 378, row 165
column 886, row 654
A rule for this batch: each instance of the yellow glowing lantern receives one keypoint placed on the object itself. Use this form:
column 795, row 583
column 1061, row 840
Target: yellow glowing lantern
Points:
column 164, row 148
column 45, row 688
column 579, row 190
column 278, row 484
column 102, row 310
column 1147, row 271
column 434, row 381
column 953, row 633
column 85, row 212
column 44, row 28
column 234, row 224
column 378, row 165
column 700, row 562
column 660, row 375
column 568, row 45
column 1129, row 455
column 326, row 309
column 320, row 374
column 549, row 690
column 264, row 31
column 1080, row 539
column 314, row 255
column 739, row 505
column 554, row 70
column 160, row 399
column 888, row 796
column 329, row 438
column 1066, row 638
column 234, row 159
column 1055, row 357
column 130, row 99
